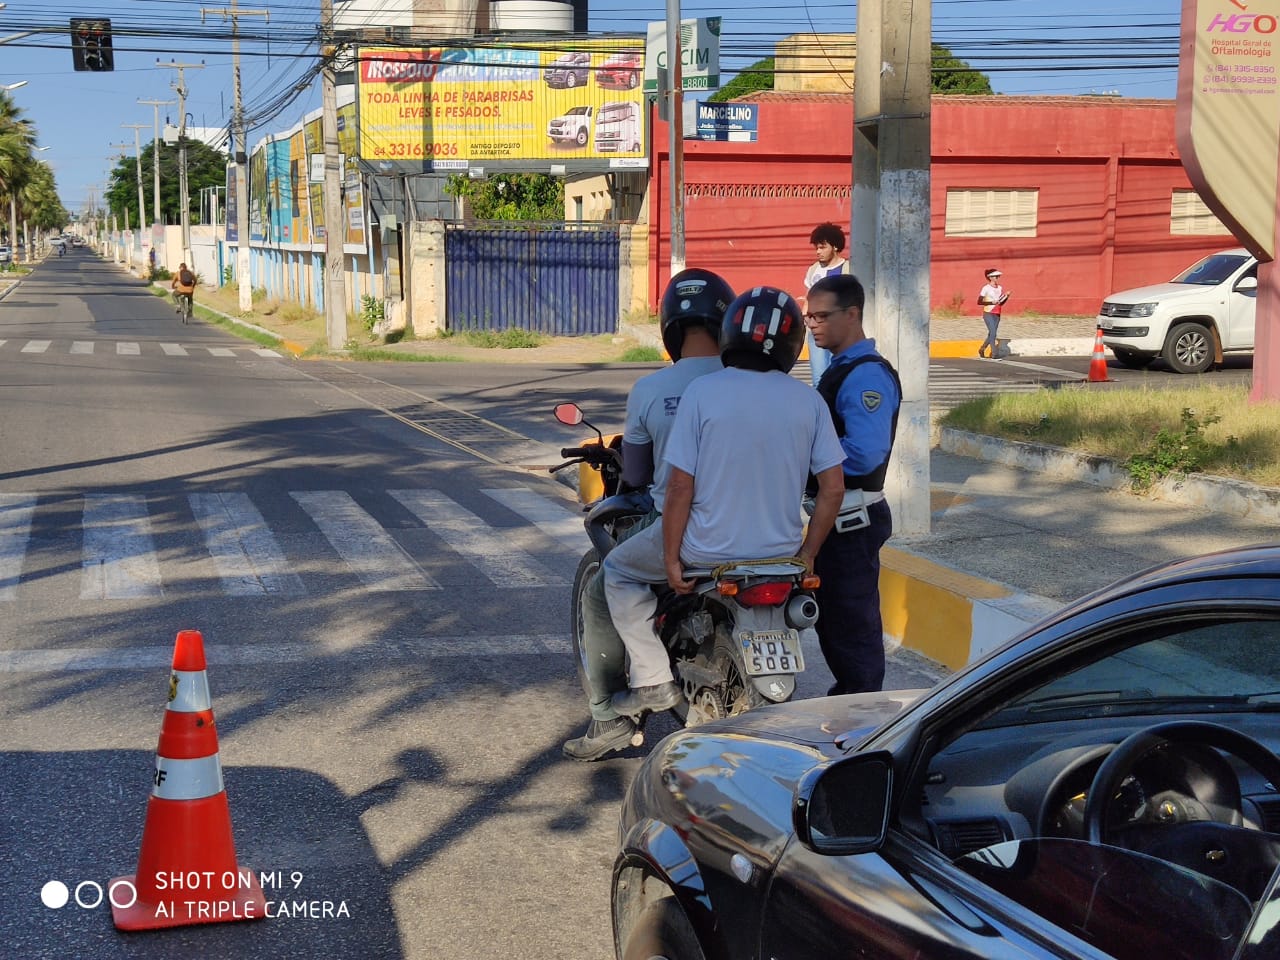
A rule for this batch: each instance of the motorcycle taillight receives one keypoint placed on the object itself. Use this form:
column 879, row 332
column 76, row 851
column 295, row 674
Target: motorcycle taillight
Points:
column 772, row 594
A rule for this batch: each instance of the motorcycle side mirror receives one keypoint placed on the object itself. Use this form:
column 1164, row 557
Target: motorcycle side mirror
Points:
column 570, row 414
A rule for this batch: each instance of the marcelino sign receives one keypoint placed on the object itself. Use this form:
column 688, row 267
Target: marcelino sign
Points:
column 576, row 106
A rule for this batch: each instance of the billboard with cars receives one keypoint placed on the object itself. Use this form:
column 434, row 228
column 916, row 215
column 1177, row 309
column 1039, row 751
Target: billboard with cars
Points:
column 516, row 107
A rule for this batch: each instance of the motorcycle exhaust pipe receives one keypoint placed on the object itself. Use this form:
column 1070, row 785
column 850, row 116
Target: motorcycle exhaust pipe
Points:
column 802, row 611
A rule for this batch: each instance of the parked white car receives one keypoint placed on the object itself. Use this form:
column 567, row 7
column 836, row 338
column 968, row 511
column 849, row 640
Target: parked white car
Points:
column 574, row 125
column 1191, row 321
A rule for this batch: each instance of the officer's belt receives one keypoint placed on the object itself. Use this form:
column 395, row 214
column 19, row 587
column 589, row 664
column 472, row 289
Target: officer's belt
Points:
column 860, row 498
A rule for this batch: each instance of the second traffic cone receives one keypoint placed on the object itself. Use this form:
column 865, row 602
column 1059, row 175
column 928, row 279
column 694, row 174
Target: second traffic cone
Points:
column 187, row 871
column 1098, row 365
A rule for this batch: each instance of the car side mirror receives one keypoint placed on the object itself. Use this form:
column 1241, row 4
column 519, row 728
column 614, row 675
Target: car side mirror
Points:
column 1247, row 283
column 842, row 808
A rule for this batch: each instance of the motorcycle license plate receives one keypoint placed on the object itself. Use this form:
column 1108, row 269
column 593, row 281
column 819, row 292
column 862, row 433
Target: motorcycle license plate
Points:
column 772, row 651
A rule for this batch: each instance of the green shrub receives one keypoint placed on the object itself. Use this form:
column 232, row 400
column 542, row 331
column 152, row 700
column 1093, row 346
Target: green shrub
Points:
column 372, row 312
column 642, row 355
column 1173, row 452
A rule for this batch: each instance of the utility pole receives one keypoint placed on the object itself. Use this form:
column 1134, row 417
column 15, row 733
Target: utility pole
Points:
column 675, row 126
column 335, row 285
column 123, row 147
column 890, row 225
column 137, row 153
column 180, row 87
column 155, row 156
column 244, row 286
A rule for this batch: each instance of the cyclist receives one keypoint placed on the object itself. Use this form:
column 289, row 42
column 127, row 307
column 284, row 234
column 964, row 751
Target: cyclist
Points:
column 184, row 286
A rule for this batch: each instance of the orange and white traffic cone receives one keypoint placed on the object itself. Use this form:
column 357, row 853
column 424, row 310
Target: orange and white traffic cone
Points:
column 1098, row 365
column 187, row 871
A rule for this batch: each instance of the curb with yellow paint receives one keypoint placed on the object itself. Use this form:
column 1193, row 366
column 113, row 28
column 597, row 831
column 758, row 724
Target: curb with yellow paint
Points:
column 947, row 616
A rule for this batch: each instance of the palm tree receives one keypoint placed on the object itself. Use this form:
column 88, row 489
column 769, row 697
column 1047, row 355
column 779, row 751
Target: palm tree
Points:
column 38, row 199
column 17, row 143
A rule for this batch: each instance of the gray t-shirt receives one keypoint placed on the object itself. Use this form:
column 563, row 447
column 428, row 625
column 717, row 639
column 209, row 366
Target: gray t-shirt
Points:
column 651, row 410
column 750, row 441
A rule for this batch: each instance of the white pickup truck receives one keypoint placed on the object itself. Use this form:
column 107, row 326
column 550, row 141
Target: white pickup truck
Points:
column 1189, row 322
column 574, row 124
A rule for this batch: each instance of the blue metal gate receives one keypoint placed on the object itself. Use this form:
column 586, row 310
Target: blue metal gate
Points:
column 559, row 279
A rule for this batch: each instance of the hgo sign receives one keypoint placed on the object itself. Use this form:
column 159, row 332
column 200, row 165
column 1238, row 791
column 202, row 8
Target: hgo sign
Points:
column 1228, row 120
column 699, row 54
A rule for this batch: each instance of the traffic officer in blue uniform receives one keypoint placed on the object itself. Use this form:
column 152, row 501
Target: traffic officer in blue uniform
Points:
column 863, row 393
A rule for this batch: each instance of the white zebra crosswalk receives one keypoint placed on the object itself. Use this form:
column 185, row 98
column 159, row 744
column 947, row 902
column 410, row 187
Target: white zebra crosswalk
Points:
column 131, row 348
column 236, row 547
column 949, row 385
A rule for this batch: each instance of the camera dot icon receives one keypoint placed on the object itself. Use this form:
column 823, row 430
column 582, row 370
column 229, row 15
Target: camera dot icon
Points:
column 55, row 894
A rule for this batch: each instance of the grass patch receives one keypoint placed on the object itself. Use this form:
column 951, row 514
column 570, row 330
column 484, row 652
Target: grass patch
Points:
column 641, row 355
column 1204, row 429
column 374, row 353
column 512, row 338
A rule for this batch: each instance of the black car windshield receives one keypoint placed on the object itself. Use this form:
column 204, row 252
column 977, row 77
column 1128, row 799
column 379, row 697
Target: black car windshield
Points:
column 1212, row 270
column 1127, row 904
column 1225, row 666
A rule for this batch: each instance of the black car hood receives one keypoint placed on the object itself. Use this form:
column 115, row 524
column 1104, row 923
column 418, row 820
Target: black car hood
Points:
column 823, row 722
column 730, row 784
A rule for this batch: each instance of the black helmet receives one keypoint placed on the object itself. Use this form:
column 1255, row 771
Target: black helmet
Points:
column 762, row 328
column 692, row 297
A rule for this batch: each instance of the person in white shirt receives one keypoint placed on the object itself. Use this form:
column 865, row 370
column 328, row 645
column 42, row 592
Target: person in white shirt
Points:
column 828, row 243
column 992, row 298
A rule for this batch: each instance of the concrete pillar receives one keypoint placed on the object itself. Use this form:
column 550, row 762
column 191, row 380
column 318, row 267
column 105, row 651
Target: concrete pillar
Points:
column 427, row 316
column 889, row 235
column 625, row 275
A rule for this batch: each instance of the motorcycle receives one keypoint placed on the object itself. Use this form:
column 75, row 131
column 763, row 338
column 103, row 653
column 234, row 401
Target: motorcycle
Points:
column 734, row 642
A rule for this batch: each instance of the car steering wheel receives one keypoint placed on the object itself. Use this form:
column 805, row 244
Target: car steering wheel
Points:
column 1225, row 852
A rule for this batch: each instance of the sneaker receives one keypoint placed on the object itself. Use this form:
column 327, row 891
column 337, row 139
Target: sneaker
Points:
column 639, row 700
column 602, row 737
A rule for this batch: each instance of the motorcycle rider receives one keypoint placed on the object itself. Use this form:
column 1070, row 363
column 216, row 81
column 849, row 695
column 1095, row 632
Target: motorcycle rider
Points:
column 743, row 444
column 690, row 313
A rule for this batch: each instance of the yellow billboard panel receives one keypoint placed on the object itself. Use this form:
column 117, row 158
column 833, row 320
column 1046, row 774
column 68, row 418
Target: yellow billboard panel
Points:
column 578, row 106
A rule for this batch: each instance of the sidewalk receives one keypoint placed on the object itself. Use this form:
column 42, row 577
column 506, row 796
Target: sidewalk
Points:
column 961, row 336
column 1026, row 336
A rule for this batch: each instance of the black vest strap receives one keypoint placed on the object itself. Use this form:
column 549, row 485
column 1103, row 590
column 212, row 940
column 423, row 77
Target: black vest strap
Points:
column 829, row 387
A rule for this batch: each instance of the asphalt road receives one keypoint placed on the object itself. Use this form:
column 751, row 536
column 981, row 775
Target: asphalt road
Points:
column 380, row 572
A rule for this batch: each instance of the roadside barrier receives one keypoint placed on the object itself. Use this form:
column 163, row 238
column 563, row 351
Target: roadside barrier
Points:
column 187, row 871
column 1098, row 365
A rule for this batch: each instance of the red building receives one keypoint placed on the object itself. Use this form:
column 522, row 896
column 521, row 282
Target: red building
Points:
column 1073, row 197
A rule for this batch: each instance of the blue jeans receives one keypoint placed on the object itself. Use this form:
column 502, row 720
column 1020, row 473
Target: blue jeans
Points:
column 992, row 320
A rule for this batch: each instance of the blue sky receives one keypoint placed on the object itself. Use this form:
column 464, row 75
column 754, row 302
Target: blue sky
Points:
column 1026, row 46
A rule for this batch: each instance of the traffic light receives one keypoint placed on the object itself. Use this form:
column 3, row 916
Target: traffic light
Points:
column 91, row 44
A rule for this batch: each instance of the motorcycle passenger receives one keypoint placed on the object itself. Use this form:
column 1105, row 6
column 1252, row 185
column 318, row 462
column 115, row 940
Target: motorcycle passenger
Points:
column 743, row 444
column 690, row 313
